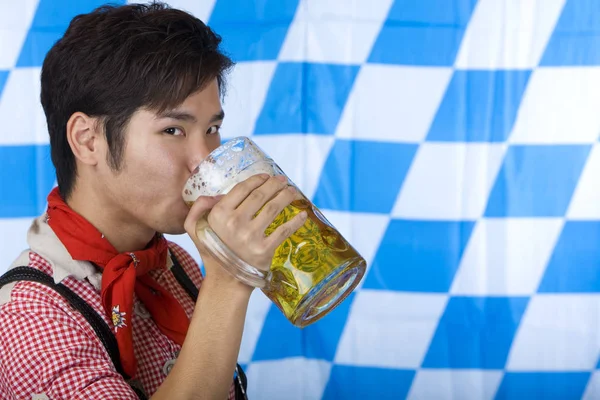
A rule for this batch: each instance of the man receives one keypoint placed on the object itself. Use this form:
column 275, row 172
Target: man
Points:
column 132, row 100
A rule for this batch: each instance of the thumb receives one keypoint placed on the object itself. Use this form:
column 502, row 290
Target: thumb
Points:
column 199, row 209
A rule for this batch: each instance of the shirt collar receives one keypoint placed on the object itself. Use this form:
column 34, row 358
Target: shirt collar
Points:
column 43, row 241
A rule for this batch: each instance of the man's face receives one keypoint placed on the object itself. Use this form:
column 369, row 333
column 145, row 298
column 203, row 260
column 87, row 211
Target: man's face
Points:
column 160, row 153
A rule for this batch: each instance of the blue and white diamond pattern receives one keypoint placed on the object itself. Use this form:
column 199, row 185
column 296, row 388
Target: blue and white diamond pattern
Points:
column 454, row 143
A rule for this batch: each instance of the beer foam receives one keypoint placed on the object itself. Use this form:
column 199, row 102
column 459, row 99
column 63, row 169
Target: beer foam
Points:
column 211, row 179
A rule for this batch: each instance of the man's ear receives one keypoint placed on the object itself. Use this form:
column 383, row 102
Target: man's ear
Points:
column 85, row 138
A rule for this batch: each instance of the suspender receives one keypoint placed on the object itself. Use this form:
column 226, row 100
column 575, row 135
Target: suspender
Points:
column 102, row 330
column 240, row 380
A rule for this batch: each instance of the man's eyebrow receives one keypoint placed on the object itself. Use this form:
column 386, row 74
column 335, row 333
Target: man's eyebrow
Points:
column 187, row 117
column 218, row 116
column 179, row 115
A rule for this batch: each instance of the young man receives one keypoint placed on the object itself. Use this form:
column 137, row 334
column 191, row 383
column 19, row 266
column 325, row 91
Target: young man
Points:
column 132, row 99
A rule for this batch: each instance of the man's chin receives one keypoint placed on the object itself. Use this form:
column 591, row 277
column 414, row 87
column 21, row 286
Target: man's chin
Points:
column 174, row 230
column 173, row 224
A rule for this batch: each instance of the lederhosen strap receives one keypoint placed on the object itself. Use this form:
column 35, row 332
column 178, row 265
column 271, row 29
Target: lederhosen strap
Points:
column 100, row 327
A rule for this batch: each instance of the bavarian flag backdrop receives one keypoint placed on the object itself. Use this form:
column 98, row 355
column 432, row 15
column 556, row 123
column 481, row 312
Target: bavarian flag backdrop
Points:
column 453, row 142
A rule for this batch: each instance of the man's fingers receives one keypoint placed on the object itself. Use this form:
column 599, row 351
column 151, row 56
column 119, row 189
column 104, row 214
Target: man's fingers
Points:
column 240, row 191
column 286, row 230
column 199, row 209
column 274, row 207
column 263, row 196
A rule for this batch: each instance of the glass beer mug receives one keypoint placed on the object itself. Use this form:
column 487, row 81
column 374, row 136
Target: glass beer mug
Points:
column 311, row 272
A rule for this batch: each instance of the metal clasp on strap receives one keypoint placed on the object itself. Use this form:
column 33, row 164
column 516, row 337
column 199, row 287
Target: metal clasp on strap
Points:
column 135, row 259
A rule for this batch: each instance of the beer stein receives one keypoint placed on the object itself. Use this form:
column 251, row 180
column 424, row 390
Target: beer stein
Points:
column 311, row 272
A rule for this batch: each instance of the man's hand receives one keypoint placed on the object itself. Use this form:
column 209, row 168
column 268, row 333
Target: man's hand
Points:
column 232, row 218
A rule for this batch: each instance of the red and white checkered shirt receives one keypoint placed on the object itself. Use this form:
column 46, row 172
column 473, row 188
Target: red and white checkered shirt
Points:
column 48, row 348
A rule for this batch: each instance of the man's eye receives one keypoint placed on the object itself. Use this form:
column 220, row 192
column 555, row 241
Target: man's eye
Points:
column 174, row 131
column 213, row 130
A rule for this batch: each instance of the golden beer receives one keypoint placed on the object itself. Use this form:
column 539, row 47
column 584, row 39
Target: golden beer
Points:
column 314, row 269
column 311, row 272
